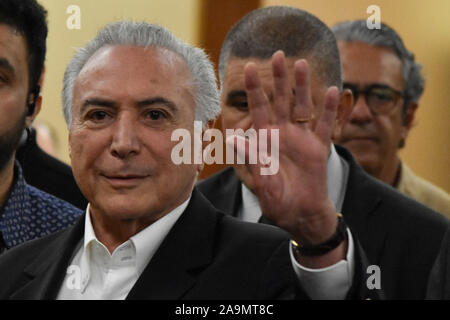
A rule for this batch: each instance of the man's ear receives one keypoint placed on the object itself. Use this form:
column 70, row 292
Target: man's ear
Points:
column 344, row 109
column 38, row 101
column 37, row 108
column 409, row 119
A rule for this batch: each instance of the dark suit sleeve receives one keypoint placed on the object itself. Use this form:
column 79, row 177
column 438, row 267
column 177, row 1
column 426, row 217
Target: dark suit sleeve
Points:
column 279, row 273
column 359, row 289
column 439, row 281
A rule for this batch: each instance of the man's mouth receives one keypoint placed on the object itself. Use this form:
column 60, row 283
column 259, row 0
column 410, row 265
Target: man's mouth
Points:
column 124, row 181
column 358, row 142
column 359, row 136
column 362, row 138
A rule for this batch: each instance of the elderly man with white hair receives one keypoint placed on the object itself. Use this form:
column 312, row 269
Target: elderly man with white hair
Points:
column 147, row 232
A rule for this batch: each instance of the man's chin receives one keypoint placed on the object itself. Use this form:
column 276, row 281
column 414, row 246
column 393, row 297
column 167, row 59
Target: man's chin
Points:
column 362, row 148
column 8, row 145
column 125, row 207
column 365, row 153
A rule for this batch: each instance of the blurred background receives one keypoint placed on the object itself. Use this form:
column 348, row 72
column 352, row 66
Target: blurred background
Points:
column 423, row 25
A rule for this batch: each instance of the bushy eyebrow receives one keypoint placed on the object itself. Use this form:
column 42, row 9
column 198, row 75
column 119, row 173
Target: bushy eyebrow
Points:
column 142, row 103
column 5, row 64
column 158, row 100
column 97, row 102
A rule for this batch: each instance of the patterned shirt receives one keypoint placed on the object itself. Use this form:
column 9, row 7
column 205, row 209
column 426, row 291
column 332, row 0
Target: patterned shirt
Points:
column 30, row 213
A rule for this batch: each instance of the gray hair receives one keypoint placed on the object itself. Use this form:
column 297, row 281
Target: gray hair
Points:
column 298, row 33
column 143, row 34
column 357, row 31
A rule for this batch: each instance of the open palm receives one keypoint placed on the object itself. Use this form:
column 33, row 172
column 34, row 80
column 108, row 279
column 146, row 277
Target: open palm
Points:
column 296, row 197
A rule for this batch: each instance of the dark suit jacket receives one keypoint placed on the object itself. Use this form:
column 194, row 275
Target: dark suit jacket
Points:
column 206, row 255
column 439, row 283
column 47, row 173
column 396, row 233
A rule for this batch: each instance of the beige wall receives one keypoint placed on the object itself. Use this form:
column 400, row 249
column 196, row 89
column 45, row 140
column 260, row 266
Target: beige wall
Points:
column 181, row 17
column 425, row 29
column 424, row 26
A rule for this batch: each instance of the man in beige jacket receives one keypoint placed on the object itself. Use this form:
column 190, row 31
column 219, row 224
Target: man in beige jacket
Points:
column 386, row 83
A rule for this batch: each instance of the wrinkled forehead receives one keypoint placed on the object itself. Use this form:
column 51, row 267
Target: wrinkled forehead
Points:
column 366, row 64
column 129, row 75
column 134, row 70
column 129, row 57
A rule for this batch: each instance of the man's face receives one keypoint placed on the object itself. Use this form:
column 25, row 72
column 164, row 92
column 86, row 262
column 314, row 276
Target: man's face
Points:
column 235, row 113
column 127, row 101
column 372, row 138
column 13, row 91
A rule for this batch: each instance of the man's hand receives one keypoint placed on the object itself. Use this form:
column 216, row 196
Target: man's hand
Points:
column 296, row 197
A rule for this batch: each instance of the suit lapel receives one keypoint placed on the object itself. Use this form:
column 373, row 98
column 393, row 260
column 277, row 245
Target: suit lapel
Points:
column 361, row 208
column 233, row 188
column 186, row 250
column 228, row 196
column 46, row 273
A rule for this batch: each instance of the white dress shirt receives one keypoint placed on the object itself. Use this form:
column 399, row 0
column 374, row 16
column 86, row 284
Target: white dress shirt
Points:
column 94, row 273
column 334, row 281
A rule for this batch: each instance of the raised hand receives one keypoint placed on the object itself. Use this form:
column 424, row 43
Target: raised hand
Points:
column 296, row 197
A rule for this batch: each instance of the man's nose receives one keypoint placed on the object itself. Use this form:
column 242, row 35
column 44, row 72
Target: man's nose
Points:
column 361, row 112
column 125, row 142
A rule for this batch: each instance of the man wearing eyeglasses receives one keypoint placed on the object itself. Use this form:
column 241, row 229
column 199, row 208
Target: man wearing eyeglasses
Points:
column 386, row 83
column 394, row 233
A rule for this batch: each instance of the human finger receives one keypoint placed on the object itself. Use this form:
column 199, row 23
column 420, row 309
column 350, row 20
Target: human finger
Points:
column 282, row 87
column 258, row 104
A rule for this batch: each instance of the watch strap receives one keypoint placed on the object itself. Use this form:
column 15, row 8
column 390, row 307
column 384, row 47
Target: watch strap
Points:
column 319, row 249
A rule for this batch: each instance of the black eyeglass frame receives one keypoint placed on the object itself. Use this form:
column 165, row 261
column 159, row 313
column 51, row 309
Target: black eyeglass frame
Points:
column 376, row 110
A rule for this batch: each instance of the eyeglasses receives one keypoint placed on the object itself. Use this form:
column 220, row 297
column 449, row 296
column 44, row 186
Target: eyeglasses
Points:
column 381, row 99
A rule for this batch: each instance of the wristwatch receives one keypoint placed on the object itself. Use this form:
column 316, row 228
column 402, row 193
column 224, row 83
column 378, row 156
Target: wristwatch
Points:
column 324, row 247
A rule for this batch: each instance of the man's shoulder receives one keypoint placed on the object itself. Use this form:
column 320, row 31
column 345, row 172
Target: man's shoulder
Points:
column 397, row 211
column 217, row 180
column 401, row 207
column 35, row 256
column 47, row 205
column 15, row 261
column 26, row 252
column 424, row 191
column 242, row 231
column 408, row 209
column 394, row 230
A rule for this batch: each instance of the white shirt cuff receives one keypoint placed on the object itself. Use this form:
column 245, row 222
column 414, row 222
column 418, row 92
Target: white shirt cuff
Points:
column 330, row 283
